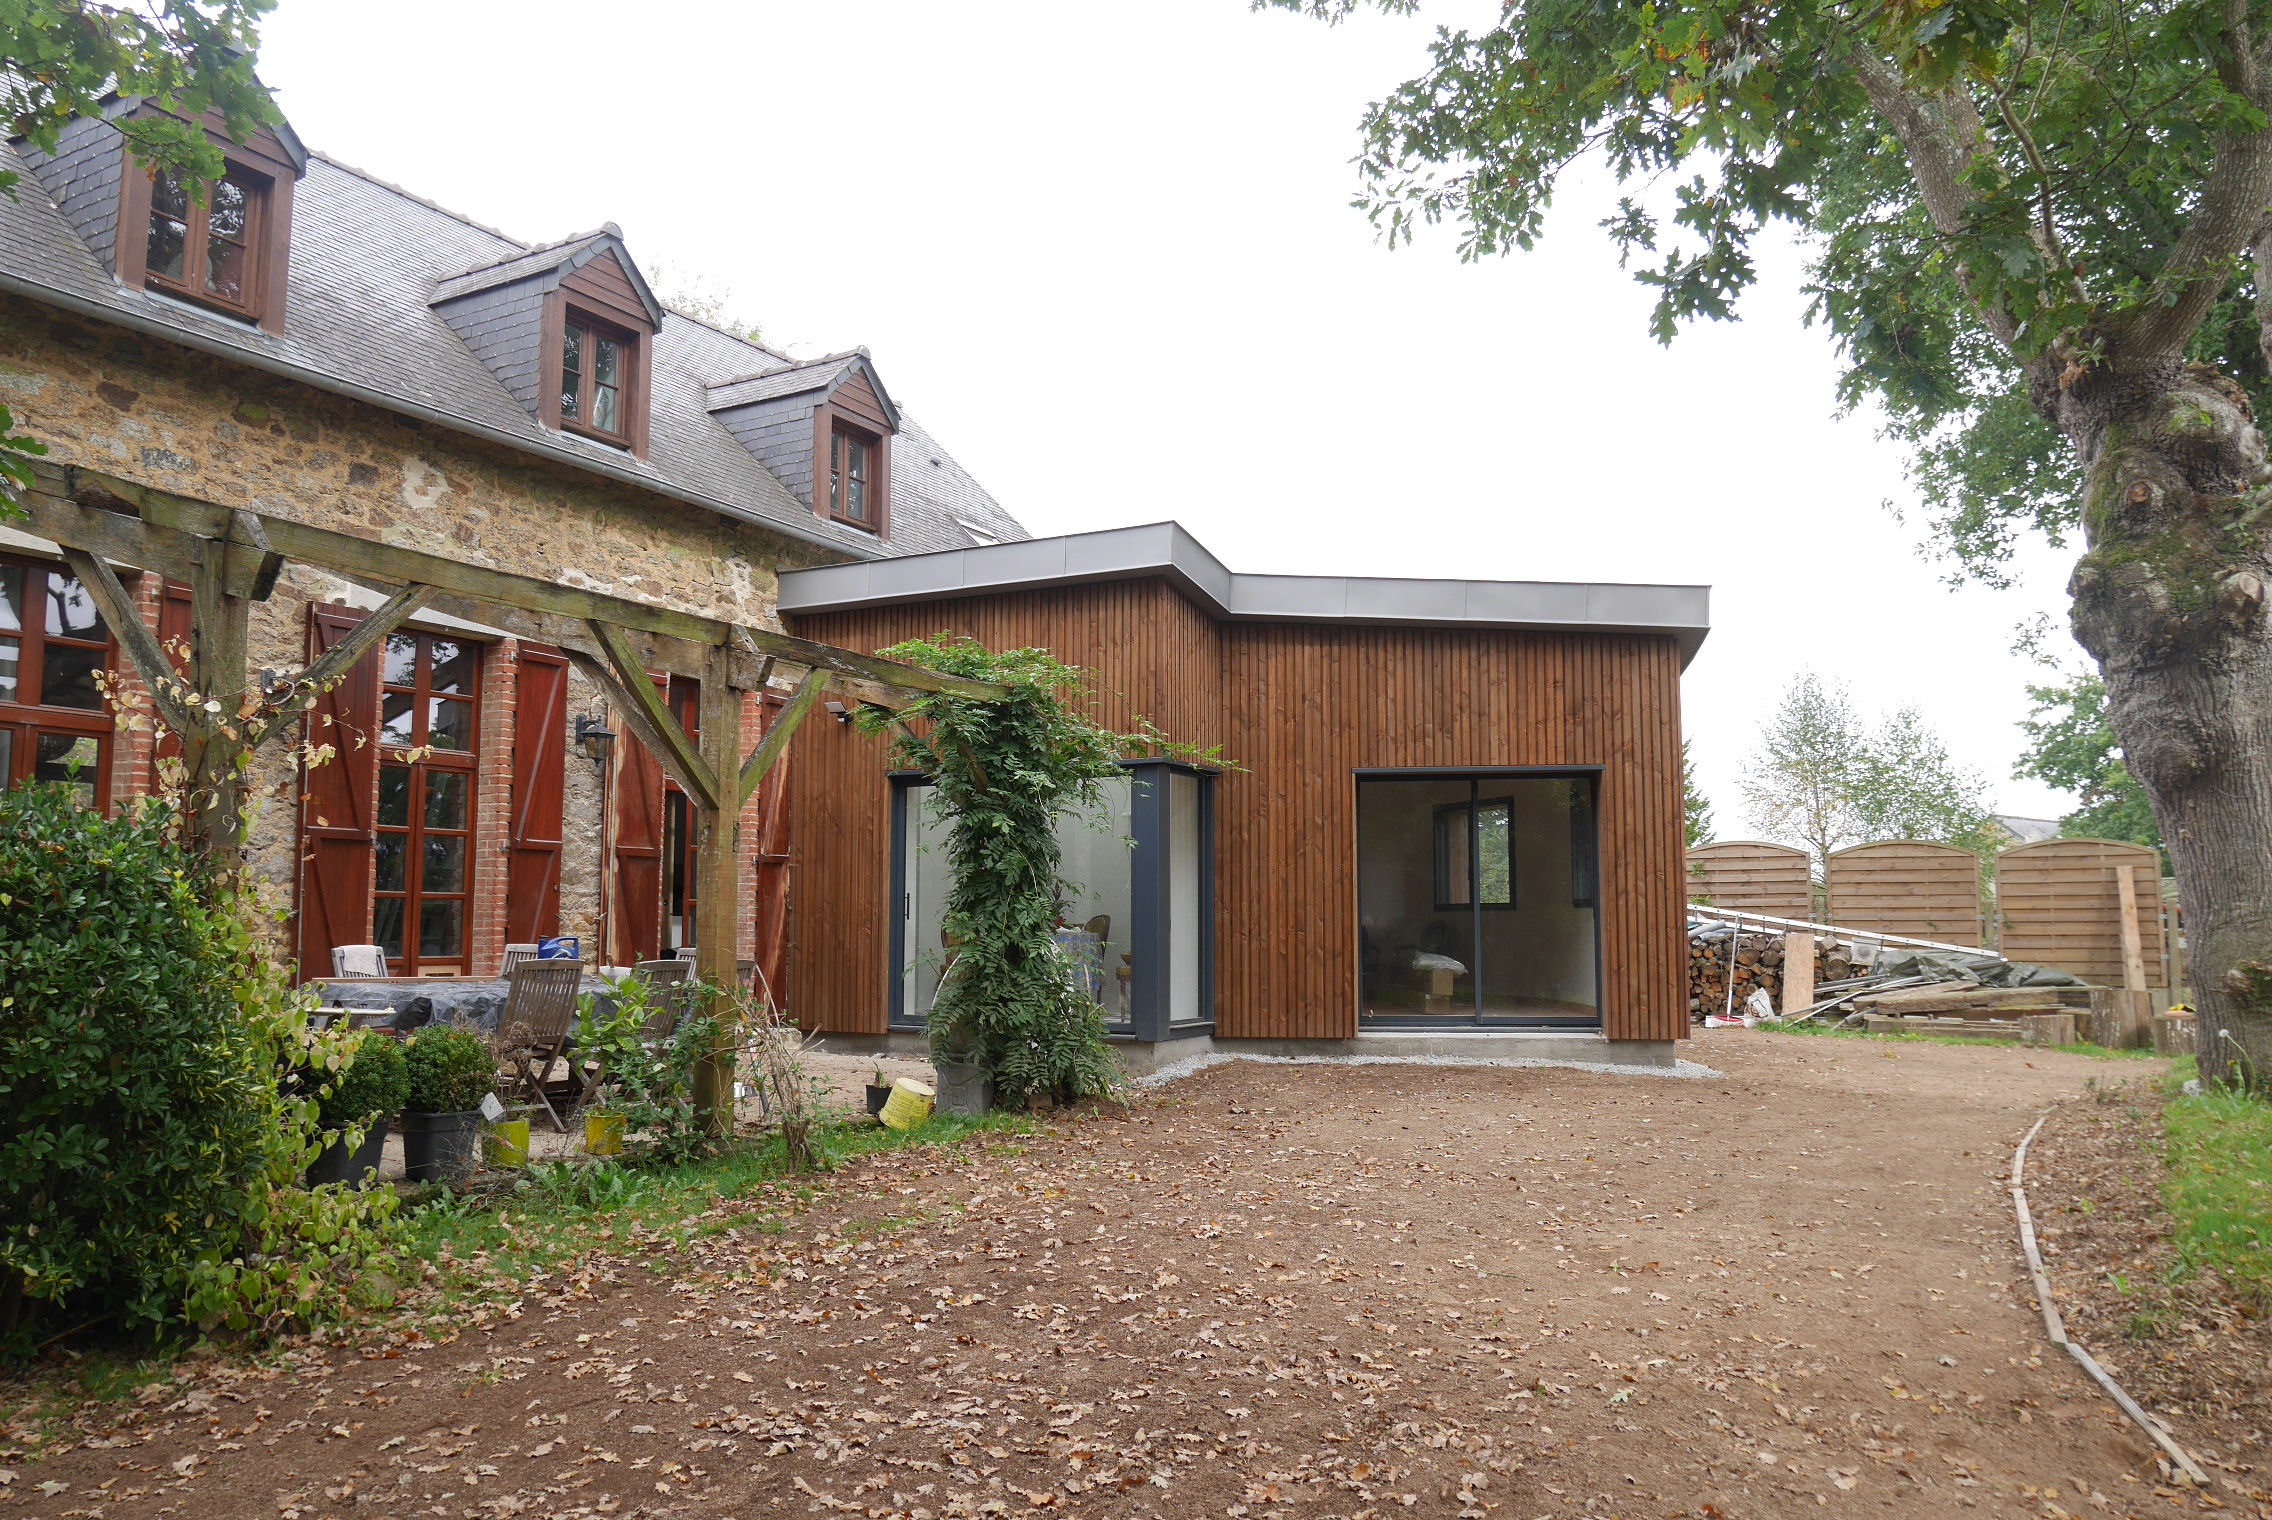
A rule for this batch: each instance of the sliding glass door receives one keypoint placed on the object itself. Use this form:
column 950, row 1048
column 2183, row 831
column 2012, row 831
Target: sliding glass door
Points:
column 1477, row 899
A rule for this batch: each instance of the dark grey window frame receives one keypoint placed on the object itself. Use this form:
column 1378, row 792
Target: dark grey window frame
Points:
column 1478, row 776
column 1151, row 882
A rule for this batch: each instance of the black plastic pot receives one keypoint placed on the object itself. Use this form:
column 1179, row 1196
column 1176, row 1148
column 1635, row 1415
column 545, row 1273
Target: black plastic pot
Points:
column 877, row 1098
column 441, row 1147
column 339, row 1164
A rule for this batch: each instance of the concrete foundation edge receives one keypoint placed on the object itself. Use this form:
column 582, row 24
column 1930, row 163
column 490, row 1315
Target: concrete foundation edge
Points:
column 1394, row 1045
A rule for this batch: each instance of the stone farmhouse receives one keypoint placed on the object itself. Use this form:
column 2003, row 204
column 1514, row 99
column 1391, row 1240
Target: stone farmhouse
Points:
column 308, row 342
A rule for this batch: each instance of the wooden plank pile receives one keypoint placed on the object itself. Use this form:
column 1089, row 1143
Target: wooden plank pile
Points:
column 1967, row 1010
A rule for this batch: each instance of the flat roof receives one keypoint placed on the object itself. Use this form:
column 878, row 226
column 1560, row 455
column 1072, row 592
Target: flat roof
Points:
column 1166, row 549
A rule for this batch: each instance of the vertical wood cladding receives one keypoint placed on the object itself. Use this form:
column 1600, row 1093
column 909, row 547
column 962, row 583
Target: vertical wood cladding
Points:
column 1299, row 707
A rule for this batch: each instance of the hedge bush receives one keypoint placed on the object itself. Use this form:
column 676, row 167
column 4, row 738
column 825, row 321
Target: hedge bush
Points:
column 451, row 1070
column 374, row 1084
column 152, row 1125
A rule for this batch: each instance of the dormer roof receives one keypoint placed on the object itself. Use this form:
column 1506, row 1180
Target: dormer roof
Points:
column 816, row 378
column 550, row 263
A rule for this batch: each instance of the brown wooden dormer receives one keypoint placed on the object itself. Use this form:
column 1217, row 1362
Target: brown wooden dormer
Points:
column 227, row 250
column 569, row 329
column 824, row 427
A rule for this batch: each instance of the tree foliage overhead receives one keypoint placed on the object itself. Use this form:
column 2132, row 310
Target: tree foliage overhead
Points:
column 1696, row 808
column 1996, row 187
column 64, row 58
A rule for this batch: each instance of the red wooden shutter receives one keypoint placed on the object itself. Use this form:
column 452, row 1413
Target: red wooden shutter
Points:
column 772, row 884
column 540, row 746
column 337, row 801
column 636, row 927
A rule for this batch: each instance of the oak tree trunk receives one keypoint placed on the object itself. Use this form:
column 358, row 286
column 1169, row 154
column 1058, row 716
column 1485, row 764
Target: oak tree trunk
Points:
column 2169, row 598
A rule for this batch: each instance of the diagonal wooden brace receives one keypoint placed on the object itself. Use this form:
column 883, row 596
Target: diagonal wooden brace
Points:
column 632, row 680
column 634, row 716
column 336, row 661
column 777, row 737
column 169, row 693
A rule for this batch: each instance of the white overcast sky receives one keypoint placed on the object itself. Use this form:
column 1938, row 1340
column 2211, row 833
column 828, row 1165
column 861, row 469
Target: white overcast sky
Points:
column 1105, row 252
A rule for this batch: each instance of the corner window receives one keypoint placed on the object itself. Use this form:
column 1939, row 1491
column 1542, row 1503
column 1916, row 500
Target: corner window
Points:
column 594, row 365
column 207, row 251
column 421, row 911
column 851, row 476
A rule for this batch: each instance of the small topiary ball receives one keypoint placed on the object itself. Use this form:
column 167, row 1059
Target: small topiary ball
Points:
column 451, row 1070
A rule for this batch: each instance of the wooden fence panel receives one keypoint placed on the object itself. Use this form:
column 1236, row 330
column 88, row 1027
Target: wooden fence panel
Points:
column 2058, row 905
column 1752, row 876
column 1907, row 886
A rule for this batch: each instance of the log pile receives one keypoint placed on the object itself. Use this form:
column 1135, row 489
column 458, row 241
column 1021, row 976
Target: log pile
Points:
column 1759, row 964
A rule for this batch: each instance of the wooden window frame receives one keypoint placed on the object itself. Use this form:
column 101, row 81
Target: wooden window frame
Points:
column 632, row 398
column 26, row 722
column 828, row 422
column 421, row 760
column 268, row 247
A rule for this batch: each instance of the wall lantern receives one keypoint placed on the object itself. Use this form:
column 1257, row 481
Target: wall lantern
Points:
column 593, row 737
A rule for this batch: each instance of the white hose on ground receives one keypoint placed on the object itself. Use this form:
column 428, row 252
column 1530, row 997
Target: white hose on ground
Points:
column 2057, row 1329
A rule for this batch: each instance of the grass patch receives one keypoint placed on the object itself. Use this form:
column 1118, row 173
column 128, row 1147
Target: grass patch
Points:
column 2218, row 1189
column 1818, row 1030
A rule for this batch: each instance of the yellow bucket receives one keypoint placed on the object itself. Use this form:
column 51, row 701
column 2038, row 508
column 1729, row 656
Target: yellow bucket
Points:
column 603, row 1134
column 506, row 1143
column 909, row 1104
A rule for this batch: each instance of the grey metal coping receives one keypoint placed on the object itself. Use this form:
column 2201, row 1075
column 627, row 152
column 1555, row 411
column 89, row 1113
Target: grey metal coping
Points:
column 1166, row 549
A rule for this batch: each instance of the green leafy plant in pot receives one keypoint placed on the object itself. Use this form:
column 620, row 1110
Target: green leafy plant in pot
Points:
column 357, row 1105
column 451, row 1070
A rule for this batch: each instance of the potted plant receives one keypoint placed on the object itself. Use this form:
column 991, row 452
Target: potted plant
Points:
column 366, row 1093
column 879, row 1093
column 451, row 1071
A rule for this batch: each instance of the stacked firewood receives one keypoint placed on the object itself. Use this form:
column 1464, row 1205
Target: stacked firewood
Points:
column 1758, row 965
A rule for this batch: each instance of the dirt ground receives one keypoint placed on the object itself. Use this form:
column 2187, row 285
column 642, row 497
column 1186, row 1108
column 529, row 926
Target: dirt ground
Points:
column 1270, row 1291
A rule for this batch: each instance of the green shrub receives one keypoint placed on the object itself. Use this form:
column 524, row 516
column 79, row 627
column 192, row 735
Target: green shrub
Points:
column 451, row 1070
column 130, row 1090
column 374, row 1085
column 647, row 1079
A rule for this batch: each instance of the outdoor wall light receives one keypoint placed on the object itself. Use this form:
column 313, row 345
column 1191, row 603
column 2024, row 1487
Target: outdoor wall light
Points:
column 839, row 712
column 593, row 737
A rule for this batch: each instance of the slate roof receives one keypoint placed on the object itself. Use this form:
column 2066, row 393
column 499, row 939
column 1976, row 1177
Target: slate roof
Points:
column 367, row 259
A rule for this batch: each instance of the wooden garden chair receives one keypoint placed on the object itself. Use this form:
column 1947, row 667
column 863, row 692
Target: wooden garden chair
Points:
column 539, row 1020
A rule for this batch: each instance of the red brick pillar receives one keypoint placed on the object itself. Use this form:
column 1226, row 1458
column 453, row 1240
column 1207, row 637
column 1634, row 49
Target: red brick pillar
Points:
column 493, row 820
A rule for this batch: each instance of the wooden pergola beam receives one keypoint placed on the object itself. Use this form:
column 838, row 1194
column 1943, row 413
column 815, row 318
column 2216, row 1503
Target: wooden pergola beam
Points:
column 355, row 556
column 698, row 779
column 169, row 694
column 784, row 728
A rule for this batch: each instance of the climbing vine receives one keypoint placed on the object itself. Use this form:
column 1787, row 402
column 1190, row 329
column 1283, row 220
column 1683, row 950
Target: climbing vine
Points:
column 1002, row 773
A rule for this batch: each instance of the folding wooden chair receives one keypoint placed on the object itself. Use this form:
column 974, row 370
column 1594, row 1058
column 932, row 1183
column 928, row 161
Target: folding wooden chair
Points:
column 667, row 980
column 514, row 955
column 539, row 1019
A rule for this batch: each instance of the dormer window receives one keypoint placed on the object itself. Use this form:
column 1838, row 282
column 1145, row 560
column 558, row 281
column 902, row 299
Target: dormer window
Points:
column 594, row 366
column 208, row 249
column 850, row 475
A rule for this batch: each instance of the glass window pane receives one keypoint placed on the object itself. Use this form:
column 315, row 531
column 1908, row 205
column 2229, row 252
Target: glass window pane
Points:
column 607, row 358
column 445, row 799
column 67, row 677
column 72, row 759
column 572, row 374
column 168, row 196
column 444, row 870
column 603, row 409
column 449, row 724
column 452, row 669
column 386, row 926
column 1186, row 899
column 394, row 796
column 7, row 758
column 169, row 226
column 1494, row 853
column 11, row 651
column 11, row 597
column 856, row 458
column 1451, row 856
column 227, row 218
column 1096, row 900
column 71, row 612
column 395, row 719
column 393, row 850
column 399, row 666
column 440, row 929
